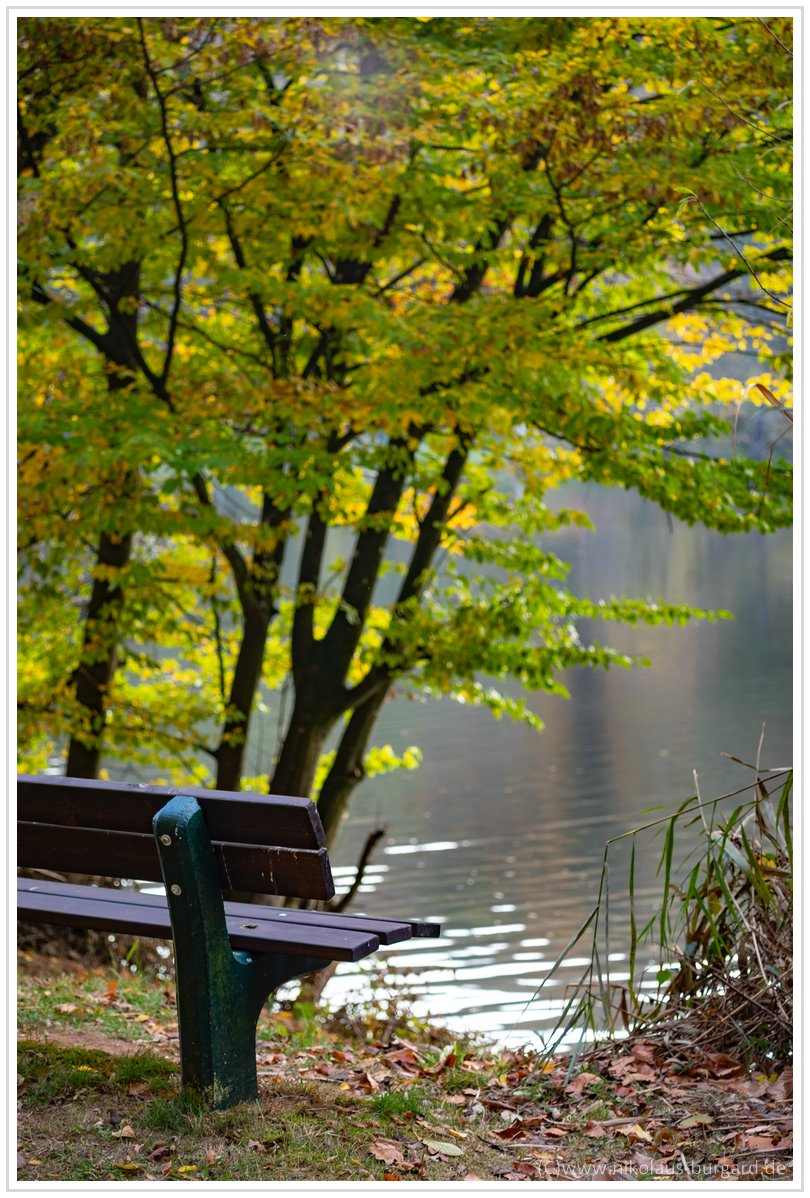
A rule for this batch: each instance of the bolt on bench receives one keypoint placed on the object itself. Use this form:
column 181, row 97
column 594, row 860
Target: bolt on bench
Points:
column 203, row 845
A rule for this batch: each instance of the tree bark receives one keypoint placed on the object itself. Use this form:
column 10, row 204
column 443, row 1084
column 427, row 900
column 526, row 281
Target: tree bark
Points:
column 94, row 674
column 347, row 768
column 247, row 674
column 310, row 724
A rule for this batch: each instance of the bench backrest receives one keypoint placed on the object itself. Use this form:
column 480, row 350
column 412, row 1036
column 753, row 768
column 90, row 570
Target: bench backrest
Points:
column 263, row 844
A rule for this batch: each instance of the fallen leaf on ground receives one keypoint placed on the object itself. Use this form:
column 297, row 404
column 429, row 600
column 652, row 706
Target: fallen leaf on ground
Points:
column 513, row 1132
column 594, row 1129
column 123, row 1133
column 696, row 1121
column 635, row 1133
column 387, row 1151
column 581, row 1081
column 643, row 1052
column 443, row 1147
column 719, row 1064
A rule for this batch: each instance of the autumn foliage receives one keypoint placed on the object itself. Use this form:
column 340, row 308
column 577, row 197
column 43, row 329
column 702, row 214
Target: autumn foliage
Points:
column 316, row 314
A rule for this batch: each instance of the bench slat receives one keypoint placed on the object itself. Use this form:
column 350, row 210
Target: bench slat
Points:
column 258, row 869
column 122, row 807
column 388, row 931
column 136, row 917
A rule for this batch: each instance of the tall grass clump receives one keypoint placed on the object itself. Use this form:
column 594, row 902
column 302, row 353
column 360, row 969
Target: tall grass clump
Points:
column 712, row 967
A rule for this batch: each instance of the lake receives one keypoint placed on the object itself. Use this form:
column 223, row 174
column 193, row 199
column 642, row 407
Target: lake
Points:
column 500, row 833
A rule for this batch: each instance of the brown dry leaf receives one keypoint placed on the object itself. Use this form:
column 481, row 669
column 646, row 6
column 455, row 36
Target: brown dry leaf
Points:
column 558, row 1133
column 255, row 1146
column 67, row 1008
column 401, row 1056
column 635, row 1134
column 594, row 1129
column 387, row 1151
column 581, row 1081
column 758, row 1143
column 139, row 1090
column 123, row 1133
column 159, row 1152
column 521, row 1169
column 513, row 1132
column 369, row 1082
column 643, row 1052
column 719, row 1064
column 630, row 1069
column 474, row 1064
column 447, row 1062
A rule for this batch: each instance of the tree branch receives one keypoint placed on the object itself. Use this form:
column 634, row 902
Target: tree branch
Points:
column 691, row 299
column 178, row 208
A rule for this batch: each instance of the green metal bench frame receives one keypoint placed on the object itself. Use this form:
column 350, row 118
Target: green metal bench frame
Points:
column 220, row 991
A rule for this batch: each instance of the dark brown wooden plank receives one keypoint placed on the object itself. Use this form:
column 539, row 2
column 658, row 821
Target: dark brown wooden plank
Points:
column 388, row 931
column 103, row 909
column 235, row 817
column 302, row 873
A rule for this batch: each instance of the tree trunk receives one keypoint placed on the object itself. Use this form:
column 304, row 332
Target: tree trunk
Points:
column 247, row 674
column 94, row 674
column 297, row 765
column 347, row 768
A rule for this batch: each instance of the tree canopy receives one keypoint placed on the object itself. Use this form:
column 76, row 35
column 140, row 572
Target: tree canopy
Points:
column 316, row 313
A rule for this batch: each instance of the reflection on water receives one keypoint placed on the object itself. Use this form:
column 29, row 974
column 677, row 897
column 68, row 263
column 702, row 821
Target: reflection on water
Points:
column 500, row 833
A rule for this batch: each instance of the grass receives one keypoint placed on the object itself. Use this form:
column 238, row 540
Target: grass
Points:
column 86, row 1114
column 349, row 1099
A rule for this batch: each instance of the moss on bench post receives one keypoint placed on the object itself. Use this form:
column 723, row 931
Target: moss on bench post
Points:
column 220, row 992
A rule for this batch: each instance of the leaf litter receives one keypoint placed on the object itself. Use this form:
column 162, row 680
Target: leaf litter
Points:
column 634, row 1109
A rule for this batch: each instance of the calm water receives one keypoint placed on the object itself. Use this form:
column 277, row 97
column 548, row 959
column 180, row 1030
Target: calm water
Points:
column 500, row 833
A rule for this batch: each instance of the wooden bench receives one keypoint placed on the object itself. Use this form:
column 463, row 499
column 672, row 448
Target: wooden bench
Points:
column 203, row 845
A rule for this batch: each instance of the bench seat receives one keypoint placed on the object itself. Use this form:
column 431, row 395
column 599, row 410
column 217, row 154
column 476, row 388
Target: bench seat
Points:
column 250, row 926
column 205, row 847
